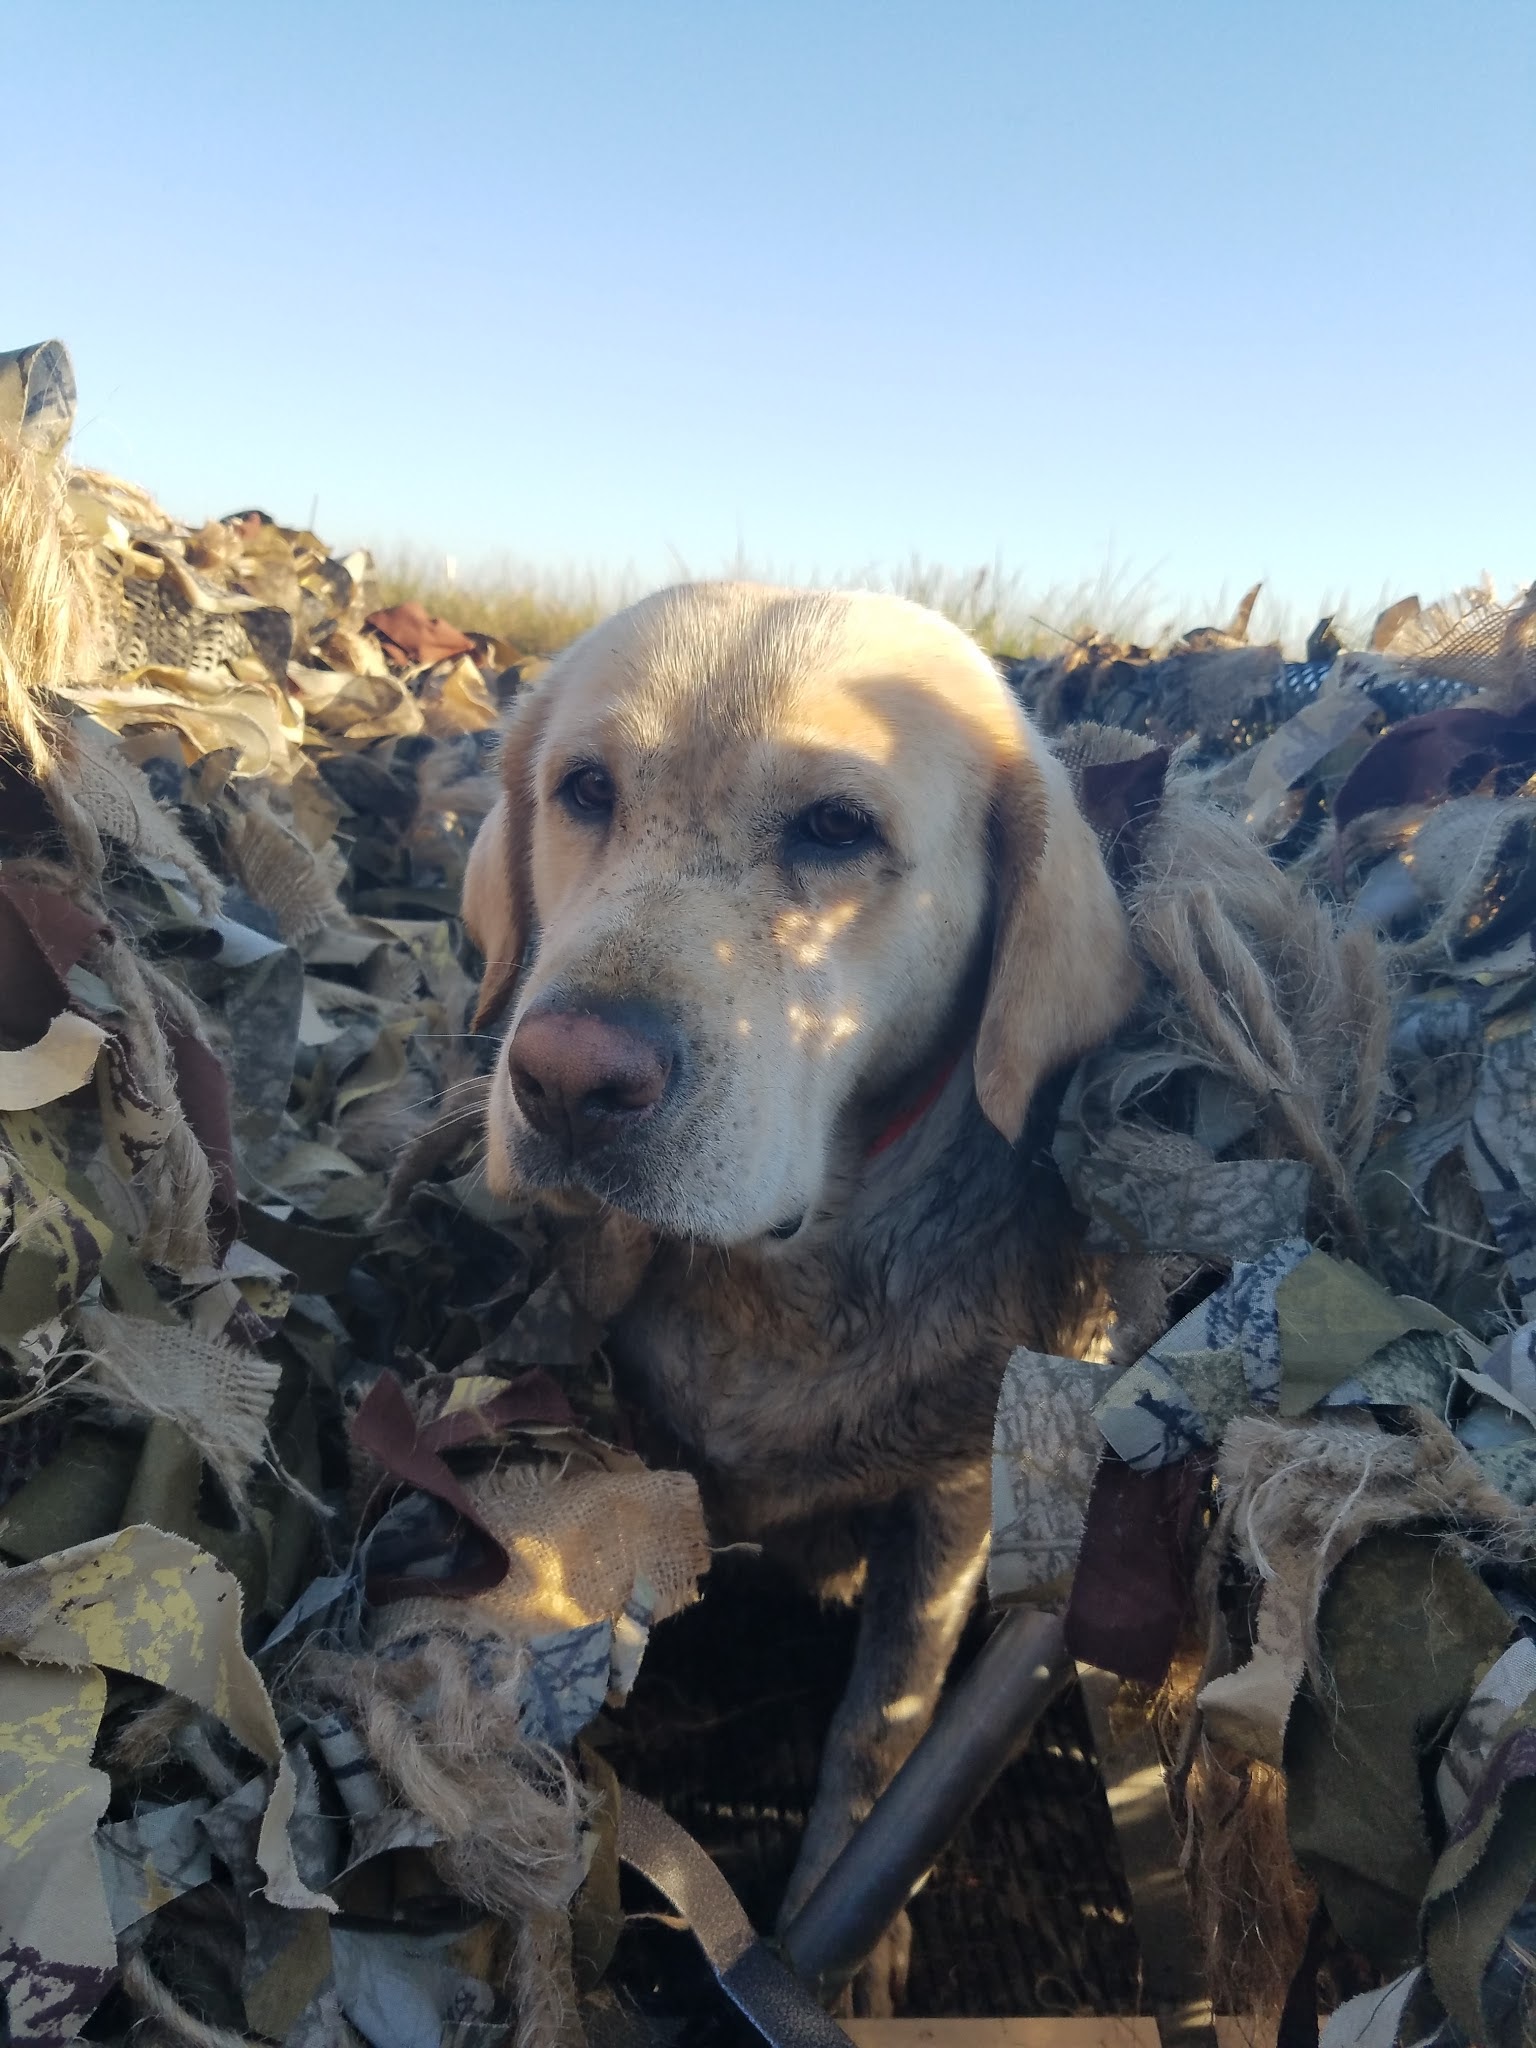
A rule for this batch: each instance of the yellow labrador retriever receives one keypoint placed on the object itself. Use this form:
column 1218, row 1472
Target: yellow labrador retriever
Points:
column 788, row 913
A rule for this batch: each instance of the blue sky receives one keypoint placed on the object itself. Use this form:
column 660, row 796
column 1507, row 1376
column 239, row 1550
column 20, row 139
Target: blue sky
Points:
column 1204, row 292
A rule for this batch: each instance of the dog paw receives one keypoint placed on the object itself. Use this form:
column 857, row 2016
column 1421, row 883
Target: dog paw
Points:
column 879, row 1989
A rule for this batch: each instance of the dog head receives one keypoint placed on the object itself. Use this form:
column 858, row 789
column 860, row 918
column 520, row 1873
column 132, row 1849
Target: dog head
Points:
column 753, row 848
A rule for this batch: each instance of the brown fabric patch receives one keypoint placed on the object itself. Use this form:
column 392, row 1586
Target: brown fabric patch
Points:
column 410, row 634
column 42, row 935
column 1119, row 800
column 1131, row 1591
column 386, row 1427
column 1440, row 754
column 202, row 1088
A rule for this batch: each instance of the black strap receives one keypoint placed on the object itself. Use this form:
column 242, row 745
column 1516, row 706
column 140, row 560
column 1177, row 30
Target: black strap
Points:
column 1298, row 2017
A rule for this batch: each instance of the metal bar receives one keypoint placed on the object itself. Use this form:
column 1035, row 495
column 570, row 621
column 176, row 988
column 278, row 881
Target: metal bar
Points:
column 978, row 1729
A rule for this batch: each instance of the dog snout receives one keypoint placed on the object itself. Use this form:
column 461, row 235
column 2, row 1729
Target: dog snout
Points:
column 588, row 1074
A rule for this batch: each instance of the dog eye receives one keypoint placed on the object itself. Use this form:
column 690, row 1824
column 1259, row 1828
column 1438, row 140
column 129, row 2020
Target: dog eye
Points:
column 589, row 790
column 837, row 825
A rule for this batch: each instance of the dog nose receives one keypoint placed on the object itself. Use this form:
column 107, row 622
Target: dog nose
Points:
column 584, row 1076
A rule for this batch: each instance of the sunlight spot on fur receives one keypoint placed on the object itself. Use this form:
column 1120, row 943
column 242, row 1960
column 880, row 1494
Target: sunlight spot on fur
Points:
column 841, row 721
column 793, row 931
column 807, row 938
column 956, row 1600
column 907, row 1708
column 811, row 1029
column 743, row 1027
column 725, row 952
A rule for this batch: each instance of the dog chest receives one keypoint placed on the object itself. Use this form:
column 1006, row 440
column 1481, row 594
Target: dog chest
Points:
column 792, row 1397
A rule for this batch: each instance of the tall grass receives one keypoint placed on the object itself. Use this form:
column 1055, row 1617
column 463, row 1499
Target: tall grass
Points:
column 539, row 611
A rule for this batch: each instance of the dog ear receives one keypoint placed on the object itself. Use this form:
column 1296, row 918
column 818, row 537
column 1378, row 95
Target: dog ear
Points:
column 1063, row 972
column 497, row 903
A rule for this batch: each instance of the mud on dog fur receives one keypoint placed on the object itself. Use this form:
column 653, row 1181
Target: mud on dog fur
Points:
column 788, row 915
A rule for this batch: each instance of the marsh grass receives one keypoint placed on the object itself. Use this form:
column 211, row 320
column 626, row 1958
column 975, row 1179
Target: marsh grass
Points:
column 539, row 610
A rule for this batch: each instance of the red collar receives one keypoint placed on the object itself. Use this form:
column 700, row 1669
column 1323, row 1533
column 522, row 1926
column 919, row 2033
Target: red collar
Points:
column 899, row 1125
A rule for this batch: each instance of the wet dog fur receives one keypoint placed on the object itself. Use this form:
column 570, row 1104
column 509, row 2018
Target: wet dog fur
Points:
column 834, row 860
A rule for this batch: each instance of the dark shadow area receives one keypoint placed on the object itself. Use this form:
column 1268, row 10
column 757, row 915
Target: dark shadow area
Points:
column 1026, row 1914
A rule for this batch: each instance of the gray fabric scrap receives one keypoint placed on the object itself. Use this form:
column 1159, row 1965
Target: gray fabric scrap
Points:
column 1045, row 1447
column 153, row 1858
column 400, row 1990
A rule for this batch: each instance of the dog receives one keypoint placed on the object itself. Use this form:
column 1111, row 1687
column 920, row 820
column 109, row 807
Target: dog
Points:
column 789, row 917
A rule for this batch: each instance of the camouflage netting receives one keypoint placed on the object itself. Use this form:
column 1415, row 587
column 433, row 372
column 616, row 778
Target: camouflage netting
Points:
column 325, row 1541
column 296, row 1656
column 1302, row 1521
